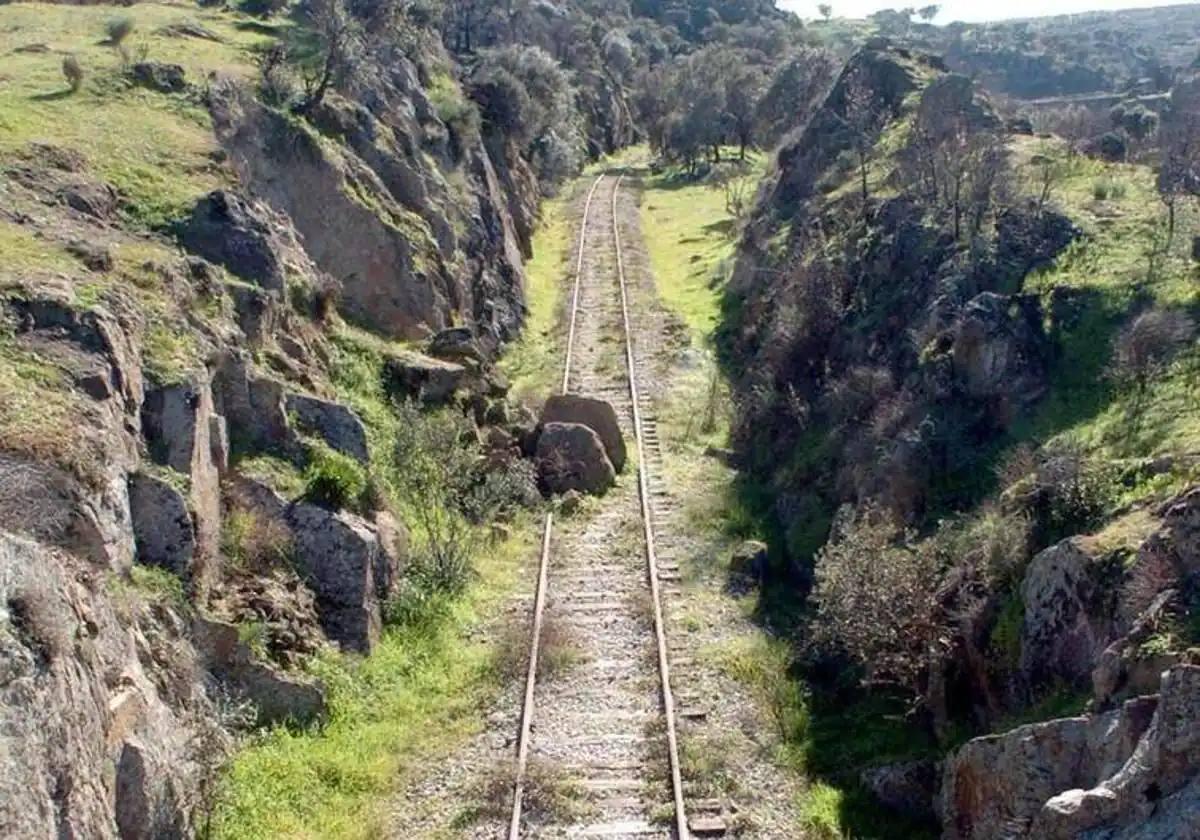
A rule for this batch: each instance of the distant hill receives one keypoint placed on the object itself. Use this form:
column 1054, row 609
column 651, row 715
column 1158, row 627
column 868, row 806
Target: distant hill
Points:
column 1054, row 56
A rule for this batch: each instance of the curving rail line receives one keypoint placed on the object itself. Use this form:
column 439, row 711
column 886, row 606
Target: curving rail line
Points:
column 680, row 822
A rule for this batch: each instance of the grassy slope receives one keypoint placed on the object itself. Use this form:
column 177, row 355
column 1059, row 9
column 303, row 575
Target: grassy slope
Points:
column 532, row 363
column 157, row 150
column 408, row 705
column 1110, row 270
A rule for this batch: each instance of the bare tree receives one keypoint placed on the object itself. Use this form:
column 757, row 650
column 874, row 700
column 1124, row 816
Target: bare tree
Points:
column 339, row 49
column 1145, row 348
column 860, row 115
column 1179, row 138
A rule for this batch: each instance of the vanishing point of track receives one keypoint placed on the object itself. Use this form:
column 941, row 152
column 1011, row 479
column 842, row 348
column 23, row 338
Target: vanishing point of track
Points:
column 611, row 727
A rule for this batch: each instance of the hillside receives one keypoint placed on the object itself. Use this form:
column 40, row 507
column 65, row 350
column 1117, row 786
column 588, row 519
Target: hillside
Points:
column 259, row 263
column 925, row 329
column 1057, row 56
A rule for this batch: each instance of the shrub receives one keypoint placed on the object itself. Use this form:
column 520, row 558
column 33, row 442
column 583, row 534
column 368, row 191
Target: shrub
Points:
column 333, row 480
column 73, row 71
column 262, row 8
column 253, row 543
column 1105, row 189
column 874, row 596
column 118, row 29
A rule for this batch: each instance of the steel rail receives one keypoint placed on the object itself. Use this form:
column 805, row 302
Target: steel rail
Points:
column 527, row 710
column 514, row 827
column 664, row 668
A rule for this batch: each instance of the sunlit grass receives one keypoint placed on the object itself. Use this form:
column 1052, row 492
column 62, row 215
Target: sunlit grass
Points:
column 158, row 150
column 399, row 711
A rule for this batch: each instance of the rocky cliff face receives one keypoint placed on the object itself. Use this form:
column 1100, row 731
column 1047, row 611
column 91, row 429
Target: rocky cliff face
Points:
column 893, row 337
column 190, row 500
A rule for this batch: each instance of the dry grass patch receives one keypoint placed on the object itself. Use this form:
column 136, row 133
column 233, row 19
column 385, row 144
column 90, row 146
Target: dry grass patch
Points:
column 558, row 651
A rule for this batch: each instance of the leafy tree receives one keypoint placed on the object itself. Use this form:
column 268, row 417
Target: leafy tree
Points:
column 826, row 10
column 339, row 50
column 928, row 13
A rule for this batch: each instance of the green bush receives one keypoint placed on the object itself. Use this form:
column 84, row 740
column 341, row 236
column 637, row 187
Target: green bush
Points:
column 333, row 480
column 118, row 29
column 73, row 71
column 1108, row 189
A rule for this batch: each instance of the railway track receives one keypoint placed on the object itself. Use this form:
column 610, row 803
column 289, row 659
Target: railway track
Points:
column 608, row 728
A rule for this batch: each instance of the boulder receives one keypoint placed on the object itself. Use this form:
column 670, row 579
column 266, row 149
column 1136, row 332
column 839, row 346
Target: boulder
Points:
column 178, row 422
column 257, row 312
column 908, row 787
column 1070, row 615
column 570, row 456
column 993, row 788
column 91, row 198
column 332, row 422
column 164, row 78
column 1124, row 668
column 252, row 404
column 423, row 378
column 1163, row 770
column 597, row 415
column 1179, row 536
column 240, row 234
column 94, row 256
column 748, row 564
column 277, row 697
column 341, row 557
column 457, row 344
column 162, row 524
column 999, row 351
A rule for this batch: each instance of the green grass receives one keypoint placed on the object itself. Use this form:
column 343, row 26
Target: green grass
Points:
column 690, row 238
column 532, row 363
column 1108, row 272
column 157, row 150
column 395, row 713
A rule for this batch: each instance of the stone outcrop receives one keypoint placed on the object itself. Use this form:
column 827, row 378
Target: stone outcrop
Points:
column 908, row 787
column 159, row 76
column 250, row 240
column 1070, row 614
column 1129, row 773
column 597, row 415
column 999, row 351
column 414, row 253
column 570, row 456
column 332, row 422
column 994, row 787
column 162, row 524
column 277, row 697
column 94, row 747
column 252, row 403
column 185, row 434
